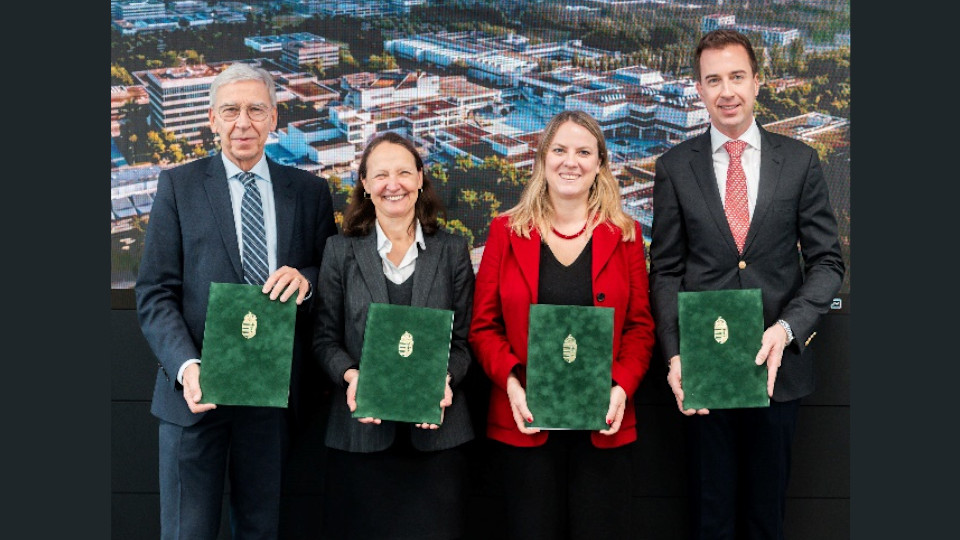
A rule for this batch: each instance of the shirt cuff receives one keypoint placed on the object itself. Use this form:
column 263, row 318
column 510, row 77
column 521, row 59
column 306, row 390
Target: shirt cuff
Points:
column 183, row 367
column 309, row 289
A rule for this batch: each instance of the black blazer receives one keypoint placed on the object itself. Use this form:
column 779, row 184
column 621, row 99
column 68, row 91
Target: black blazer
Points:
column 693, row 249
column 191, row 241
column 351, row 277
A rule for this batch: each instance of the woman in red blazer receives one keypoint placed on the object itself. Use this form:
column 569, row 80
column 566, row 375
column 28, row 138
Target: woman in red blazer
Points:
column 568, row 241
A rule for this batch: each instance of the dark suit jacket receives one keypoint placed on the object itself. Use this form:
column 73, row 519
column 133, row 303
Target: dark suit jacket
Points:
column 191, row 241
column 351, row 277
column 693, row 249
column 508, row 283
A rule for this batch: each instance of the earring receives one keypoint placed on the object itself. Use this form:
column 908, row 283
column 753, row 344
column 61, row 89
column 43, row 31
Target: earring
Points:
column 420, row 191
column 366, row 194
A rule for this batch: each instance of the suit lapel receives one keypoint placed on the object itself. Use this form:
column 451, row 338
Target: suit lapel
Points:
column 371, row 267
column 428, row 260
column 702, row 164
column 218, row 194
column 771, row 162
column 527, row 252
column 285, row 203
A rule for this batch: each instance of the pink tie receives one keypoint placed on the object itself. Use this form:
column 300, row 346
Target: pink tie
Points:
column 735, row 199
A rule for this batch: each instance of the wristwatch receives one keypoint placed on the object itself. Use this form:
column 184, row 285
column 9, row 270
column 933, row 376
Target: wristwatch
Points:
column 786, row 326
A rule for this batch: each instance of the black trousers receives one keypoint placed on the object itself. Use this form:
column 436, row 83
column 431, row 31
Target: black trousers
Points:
column 398, row 494
column 738, row 466
column 245, row 442
column 566, row 489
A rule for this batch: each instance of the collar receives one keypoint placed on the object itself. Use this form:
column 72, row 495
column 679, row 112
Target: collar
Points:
column 384, row 244
column 260, row 169
column 751, row 136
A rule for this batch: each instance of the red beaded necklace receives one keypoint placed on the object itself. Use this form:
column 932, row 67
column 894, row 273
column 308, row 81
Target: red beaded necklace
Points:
column 570, row 236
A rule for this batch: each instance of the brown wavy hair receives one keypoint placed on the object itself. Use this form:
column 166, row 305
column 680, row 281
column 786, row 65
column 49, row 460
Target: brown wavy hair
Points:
column 360, row 214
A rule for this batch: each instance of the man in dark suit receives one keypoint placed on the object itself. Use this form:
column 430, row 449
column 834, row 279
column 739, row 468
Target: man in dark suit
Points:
column 730, row 208
column 236, row 217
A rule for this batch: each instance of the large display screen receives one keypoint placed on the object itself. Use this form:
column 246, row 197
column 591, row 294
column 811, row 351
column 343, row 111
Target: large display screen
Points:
column 472, row 83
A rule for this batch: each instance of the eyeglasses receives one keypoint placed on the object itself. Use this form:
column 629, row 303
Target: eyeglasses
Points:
column 254, row 112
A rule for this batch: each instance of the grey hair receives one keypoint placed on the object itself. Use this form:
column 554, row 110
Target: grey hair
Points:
column 243, row 72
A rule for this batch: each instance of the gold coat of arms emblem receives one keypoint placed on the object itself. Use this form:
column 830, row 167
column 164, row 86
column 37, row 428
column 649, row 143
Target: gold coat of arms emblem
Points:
column 720, row 331
column 405, row 346
column 569, row 349
column 248, row 328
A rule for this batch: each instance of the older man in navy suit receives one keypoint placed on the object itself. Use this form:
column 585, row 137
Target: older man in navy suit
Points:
column 235, row 217
column 731, row 207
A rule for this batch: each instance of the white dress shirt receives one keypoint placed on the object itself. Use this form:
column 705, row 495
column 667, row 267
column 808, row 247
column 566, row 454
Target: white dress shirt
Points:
column 398, row 273
column 750, row 161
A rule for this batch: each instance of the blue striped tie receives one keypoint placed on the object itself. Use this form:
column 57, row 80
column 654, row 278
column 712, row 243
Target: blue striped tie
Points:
column 255, row 267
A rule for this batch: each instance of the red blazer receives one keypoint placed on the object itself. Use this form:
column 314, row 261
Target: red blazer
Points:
column 506, row 286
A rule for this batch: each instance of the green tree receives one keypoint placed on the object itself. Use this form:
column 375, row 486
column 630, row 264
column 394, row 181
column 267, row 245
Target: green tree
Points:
column 192, row 57
column 464, row 163
column 796, row 52
column 438, row 173
column 455, row 226
column 316, row 68
column 120, row 76
column 777, row 64
column 346, row 59
column 380, row 62
column 470, row 197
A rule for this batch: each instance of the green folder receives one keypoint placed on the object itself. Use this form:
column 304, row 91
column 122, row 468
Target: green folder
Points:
column 247, row 347
column 569, row 358
column 403, row 363
column 720, row 335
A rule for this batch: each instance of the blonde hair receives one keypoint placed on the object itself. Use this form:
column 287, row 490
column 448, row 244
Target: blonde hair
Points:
column 603, row 203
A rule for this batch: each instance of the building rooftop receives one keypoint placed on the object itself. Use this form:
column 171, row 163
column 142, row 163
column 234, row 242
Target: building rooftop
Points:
column 459, row 87
column 312, row 90
column 284, row 38
column 314, row 124
column 466, row 132
column 814, row 126
column 197, row 71
column 505, row 140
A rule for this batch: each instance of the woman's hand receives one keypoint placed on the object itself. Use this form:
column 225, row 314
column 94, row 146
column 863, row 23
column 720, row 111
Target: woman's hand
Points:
column 518, row 405
column 618, row 404
column 351, row 376
column 444, row 403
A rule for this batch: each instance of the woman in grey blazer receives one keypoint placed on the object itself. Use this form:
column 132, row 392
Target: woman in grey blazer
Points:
column 387, row 479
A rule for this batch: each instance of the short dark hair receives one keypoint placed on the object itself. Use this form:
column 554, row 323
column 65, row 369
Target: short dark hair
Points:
column 718, row 39
column 360, row 214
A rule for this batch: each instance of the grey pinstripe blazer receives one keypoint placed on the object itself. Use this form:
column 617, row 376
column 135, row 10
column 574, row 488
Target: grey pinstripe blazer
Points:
column 351, row 277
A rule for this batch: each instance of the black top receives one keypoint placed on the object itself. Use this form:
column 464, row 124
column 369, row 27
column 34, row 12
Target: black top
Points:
column 565, row 285
column 402, row 294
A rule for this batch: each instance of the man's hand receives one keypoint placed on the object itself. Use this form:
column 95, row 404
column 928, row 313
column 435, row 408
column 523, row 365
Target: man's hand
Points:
column 674, row 380
column 284, row 282
column 518, row 405
column 191, row 390
column 351, row 376
column 771, row 351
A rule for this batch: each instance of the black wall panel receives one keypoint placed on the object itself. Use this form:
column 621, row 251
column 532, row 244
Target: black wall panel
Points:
column 818, row 507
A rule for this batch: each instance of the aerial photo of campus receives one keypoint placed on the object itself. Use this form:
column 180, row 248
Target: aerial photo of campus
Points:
column 470, row 82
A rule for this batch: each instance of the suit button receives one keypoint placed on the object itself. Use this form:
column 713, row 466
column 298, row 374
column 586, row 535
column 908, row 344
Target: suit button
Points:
column 742, row 265
column 601, row 297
